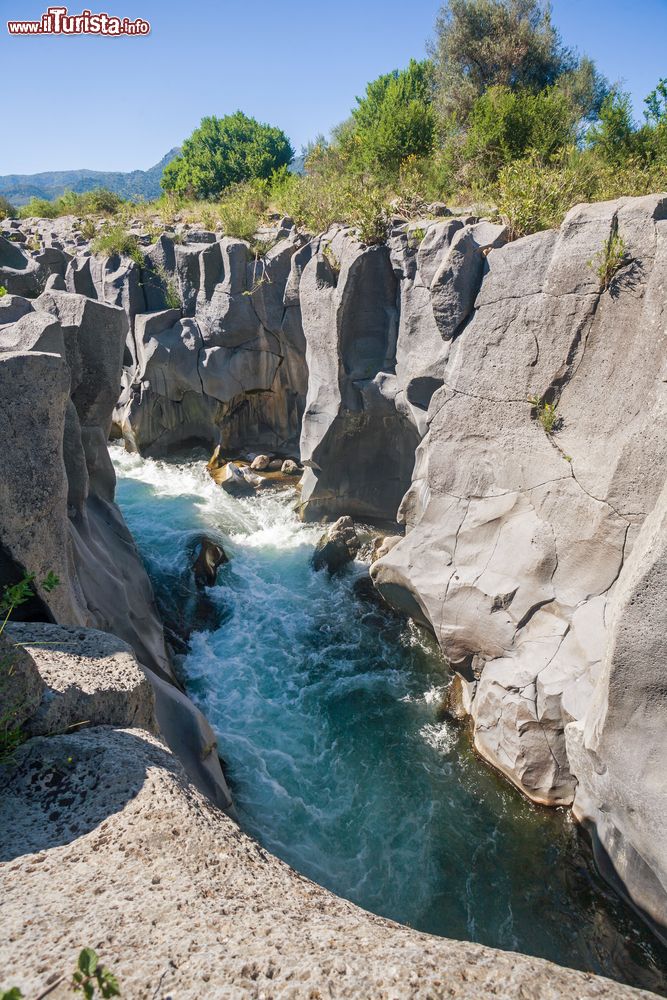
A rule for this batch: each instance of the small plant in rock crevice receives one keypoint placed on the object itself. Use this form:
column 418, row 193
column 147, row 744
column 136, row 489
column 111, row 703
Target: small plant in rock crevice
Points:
column 332, row 260
column 11, row 733
column 3, row 291
column 259, row 248
column 415, row 237
column 610, row 260
column 546, row 413
column 88, row 229
column 88, row 977
column 172, row 295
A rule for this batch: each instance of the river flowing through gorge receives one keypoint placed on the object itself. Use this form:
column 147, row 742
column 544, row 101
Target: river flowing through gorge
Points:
column 328, row 715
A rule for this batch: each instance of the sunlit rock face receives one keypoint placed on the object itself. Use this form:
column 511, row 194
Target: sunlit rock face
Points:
column 227, row 366
column 412, row 380
column 521, row 547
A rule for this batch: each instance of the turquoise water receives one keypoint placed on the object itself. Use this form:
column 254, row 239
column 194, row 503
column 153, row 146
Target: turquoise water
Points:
column 328, row 715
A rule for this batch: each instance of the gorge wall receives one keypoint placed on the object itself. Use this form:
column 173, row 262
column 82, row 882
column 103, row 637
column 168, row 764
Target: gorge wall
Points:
column 401, row 376
column 60, row 370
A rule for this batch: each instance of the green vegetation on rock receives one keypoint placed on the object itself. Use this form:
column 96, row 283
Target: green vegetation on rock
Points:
column 114, row 239
column 12, row 712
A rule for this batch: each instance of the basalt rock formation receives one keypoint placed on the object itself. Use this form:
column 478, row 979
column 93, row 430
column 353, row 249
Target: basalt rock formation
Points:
column 106, row 841
column 60, row 372
column 537, row 558
column 227, row 368
column 412, row 381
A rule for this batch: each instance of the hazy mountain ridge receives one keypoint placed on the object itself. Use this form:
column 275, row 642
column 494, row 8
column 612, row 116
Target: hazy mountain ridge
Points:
column 50, row 184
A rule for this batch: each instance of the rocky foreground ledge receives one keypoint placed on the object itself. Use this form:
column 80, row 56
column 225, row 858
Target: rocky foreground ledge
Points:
column 105, row 842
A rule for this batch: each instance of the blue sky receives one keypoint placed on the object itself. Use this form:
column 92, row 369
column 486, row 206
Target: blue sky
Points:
column 120, row 104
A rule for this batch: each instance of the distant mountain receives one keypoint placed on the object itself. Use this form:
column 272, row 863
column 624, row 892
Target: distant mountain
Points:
column 20, row 188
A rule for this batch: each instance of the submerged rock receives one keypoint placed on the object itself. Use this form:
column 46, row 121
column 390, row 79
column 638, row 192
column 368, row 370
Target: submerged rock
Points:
column 209, row 558
column 337, row 547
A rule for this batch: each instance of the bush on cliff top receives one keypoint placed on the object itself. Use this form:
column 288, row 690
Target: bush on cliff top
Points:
column 96, row 202
column 114, row 239
column 225, row 151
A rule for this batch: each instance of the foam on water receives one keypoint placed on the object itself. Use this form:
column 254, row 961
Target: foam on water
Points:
column 328, row 713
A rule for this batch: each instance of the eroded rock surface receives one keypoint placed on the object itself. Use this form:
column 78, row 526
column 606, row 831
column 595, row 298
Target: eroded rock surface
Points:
column 178, row 902
column 518, row 542
column 225, row 368
column 60, row 375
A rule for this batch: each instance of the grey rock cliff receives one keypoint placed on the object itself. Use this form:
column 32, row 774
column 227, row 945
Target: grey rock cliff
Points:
column 401, row 377
column 228, row 367
column 60, row 374
column 519, row 544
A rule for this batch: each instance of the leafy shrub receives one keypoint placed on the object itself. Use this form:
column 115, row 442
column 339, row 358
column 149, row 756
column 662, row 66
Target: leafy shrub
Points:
column 532, row 196
column 507, row 125
column 393, row 120
column 97, row 202
column 100, row 201
column 7, row 210
column 88, row 229
column 39, row 208
column 614, row 136
column 114, row 239
column 225, row 151
column 172, row 296
column 370, row 216
column 320, row 199
column 610, row 259
column 3, row 291
column 242, row 208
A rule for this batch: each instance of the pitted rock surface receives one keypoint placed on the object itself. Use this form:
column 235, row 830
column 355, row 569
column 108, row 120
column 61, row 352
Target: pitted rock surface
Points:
column 130, row 859
column 90, row 678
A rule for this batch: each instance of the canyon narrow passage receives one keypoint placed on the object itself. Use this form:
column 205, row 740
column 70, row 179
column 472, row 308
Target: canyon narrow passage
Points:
column 328, row 712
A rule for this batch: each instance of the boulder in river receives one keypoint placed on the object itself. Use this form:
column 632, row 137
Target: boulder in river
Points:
column 232, row 479
column 260, row 463
column 290, row 468
column 209, row 558
column 337, row 547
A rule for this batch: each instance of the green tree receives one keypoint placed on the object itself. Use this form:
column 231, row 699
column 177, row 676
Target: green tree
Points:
column 508, row 43
column 7, row 210
column 224, row 151
column 656, row 105
column 614, row 136
column 654, row 132
column 394, row 119
column 506, row 125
